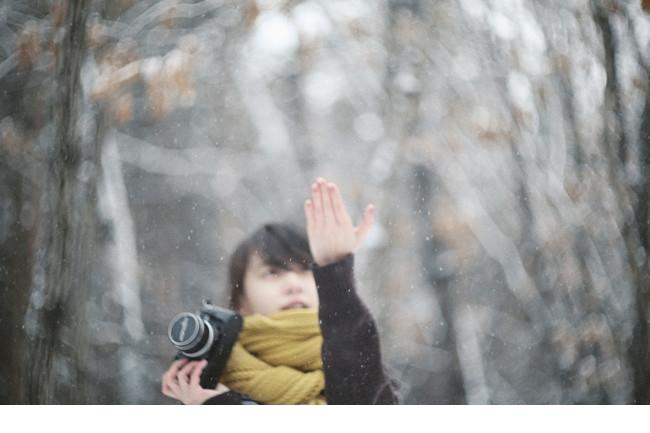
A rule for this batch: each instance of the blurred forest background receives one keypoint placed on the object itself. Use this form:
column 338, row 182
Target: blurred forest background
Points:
column 504, row 143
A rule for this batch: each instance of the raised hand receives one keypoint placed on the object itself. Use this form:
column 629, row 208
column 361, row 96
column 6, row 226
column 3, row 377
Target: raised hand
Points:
column 329, row 227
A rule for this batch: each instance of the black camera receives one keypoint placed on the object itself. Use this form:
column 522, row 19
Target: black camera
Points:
column 209, row 334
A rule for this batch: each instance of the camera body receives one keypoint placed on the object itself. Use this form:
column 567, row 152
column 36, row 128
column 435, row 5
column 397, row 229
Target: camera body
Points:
column 209, row 334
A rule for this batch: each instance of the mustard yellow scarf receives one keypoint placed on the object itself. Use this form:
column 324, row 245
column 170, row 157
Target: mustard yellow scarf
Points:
column 277, row 359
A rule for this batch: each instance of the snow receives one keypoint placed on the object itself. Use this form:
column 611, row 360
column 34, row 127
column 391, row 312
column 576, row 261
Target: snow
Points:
column 369, row 127
column 503, row 27
column 311, row 20
column 274, row 35
column 324, row 87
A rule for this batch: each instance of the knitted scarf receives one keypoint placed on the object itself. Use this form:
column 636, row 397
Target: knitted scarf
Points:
column 277, row 359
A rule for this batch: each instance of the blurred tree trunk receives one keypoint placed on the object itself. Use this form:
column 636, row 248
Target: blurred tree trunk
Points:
column 20, row 207
column 446, row 386
column 637, row 234
column 55, row 318
column 640, row 350
column 635, row 228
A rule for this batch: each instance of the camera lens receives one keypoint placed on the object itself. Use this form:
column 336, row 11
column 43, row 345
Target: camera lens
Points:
column 190, row 334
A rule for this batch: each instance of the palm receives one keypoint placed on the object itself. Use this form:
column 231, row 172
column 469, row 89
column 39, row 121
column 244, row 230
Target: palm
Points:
column 329, row 227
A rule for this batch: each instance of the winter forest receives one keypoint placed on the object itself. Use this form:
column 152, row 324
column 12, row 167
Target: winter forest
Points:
column 505, row 145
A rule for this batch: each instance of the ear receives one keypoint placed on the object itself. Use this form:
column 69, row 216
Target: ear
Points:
column 244, row 307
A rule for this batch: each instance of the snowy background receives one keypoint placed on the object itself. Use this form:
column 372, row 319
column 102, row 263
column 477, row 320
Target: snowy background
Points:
column 504, row 143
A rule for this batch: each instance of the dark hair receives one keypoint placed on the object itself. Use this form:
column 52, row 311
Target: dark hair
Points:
column 278, row 245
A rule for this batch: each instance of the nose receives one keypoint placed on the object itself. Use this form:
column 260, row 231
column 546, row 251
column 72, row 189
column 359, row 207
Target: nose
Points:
column 293, row 290
column 292, row 283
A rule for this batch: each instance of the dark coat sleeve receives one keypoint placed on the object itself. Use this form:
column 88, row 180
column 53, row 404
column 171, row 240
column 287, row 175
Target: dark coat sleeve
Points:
column 352, row 365
column 228, row 397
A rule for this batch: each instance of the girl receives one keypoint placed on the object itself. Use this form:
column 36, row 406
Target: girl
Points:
column 307, row 337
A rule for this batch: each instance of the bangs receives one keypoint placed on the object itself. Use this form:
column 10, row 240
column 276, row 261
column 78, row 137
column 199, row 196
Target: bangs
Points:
column 281, row 246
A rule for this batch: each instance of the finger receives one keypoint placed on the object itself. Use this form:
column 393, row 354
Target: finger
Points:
column 320, row 183
column 309, row 216
column 169, row 392
column 328, row 212
column 366, row 223
column 175, row 390
column 196, row 373
column 170, row 374
column 165, row 385
column 340, row 212
column 329, row 191
column 184, row 378
column 173, row 368
column 184, row 373
column 164, row 388
column 221, row 388
column 318, row 205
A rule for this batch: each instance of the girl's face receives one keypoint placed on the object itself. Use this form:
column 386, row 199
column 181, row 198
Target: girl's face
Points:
column 268, row 290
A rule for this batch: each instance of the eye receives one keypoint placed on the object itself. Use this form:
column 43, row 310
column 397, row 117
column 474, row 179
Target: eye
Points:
column 300, row 270
column 270, row 272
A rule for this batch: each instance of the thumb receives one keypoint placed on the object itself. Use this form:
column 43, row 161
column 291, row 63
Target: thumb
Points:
column 366, row 223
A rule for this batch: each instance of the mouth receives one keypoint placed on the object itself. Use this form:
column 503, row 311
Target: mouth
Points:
column 295, row 304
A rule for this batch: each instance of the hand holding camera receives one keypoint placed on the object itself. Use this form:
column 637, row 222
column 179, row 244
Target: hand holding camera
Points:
column 181, row 381
column 204, row 341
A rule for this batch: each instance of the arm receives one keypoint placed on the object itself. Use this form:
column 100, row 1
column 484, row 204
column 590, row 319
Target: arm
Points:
column 351, row 352
column 352, row 364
